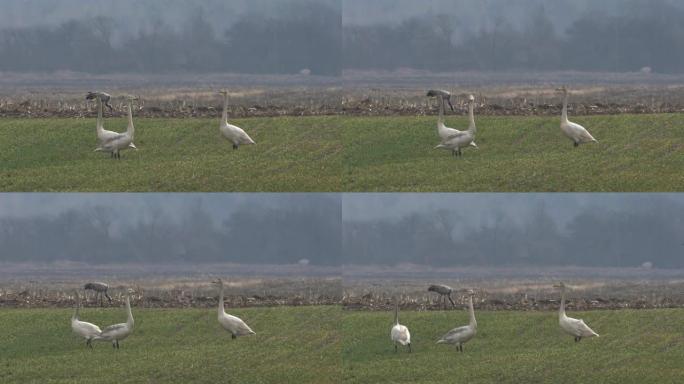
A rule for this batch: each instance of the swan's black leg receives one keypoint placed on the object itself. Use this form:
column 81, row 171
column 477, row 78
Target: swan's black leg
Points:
column 235, row 146
column 395, row 348
column 409, row 345
column 576, row 144
column 232, row 335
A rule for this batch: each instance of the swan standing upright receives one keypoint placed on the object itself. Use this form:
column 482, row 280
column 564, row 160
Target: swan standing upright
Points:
column 575, row 132
column 119, row 141
column 118, row 332
column 86, row 330
column 574, row 327
column 400, row 333
column 461, row 335
column 457, row 141
column 443, row 131
column 235, row 134
column 230, row 323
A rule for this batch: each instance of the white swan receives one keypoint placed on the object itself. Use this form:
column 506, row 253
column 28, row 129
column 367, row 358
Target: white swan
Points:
column 116, row 143
column 230, row 323
column 86, row 330
column 461, row 335
column 103, row 135
column 575, row 132
column 457, row 141
column 235, row 134
column 399, row 334
column 118, row 332
column 574, row 327
column 443, row 131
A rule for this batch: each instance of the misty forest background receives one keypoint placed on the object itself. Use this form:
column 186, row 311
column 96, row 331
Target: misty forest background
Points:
column 298, row 34
column 316, row 230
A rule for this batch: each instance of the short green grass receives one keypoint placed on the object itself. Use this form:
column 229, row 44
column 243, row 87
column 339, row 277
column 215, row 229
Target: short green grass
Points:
column 635, row 346
column 292, row 345
column 292, row 154
column 522, row 154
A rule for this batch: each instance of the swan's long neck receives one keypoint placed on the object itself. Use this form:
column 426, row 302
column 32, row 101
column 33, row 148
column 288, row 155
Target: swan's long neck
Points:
column 224, row 117
column 99, row 115
column 130, row 320
column 561, row 311
column 221, row 309
column 440, row 119
column 78, row 306
column 473, row 323
column 396, row 312
column 471, row 116
column 564, row 115
column 131, row 129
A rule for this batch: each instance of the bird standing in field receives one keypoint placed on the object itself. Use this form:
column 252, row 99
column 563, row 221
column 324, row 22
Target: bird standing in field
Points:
column 100, row 289
column 443, row 131
column 233, row 133
column 457, row 141
column 461, row 335
column 115, row 144
column 230, row 323
column 118, row 332
column 86, row 330
column 574, row 327
column 444, row 292
column 399, row 334
column 575, row 132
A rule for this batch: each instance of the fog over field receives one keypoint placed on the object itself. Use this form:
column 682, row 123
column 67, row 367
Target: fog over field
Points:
column 170, row 228
column 328, row 36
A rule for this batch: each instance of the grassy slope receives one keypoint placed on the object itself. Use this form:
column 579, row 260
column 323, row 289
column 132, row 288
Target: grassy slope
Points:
column 292, row 154
column 644, row 346
column 636, row 153
column 292, row 345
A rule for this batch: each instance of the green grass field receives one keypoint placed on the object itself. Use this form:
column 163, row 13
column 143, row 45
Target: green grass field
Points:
column 523, row 154
column 644, row 346
column 292, row 345
column 292, row 154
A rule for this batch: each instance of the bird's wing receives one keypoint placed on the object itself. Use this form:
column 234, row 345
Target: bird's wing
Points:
column 113, row 328
column 581, row 132
column 455, row 135
column 111, row 138
column 455, row 332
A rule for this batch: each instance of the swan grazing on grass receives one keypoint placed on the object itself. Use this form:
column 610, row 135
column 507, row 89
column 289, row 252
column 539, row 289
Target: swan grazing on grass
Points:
column 86, row 330
column 457, row 141
column 443, row 131
column 574, row 327
column 575, row 132
column 400, row 333
column 230, row 323
column 118, row 332
column 235, row 134
column 461, row 335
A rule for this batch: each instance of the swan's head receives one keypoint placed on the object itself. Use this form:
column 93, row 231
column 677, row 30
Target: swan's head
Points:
column 217, row 281
column 130, row 291
column 562, row 90
column 471, row 99
column 469, row 292
column 560, row 285
column 223, row 92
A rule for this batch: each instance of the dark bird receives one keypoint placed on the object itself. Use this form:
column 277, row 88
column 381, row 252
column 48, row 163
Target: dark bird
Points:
column 104, row 97
column 445, row 95
column 100, row 289
column 444, row 291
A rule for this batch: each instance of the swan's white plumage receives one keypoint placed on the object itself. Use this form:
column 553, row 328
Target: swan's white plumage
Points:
column 114, row 142
column 460, row 335
column 232, row 324
column 84, row 329
column 455, row 141
column 233, row 133
column 399, row 333
column 118, row 332
column 575, row 132
column 574, row 327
